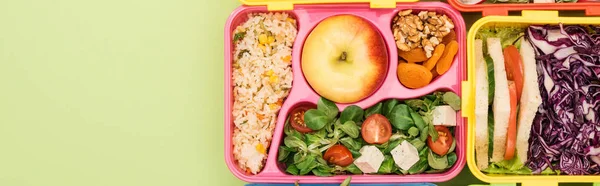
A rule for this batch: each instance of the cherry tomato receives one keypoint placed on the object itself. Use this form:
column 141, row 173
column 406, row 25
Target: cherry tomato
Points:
column 339, row 155
column 443, row 143
column 376, row 129
column 514, row 68
column 297, row 119
column 511, row 135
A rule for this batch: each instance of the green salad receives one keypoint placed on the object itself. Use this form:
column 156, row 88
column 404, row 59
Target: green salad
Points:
column 391, row 137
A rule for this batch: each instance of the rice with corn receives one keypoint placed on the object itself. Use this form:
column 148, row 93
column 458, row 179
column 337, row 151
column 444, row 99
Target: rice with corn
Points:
column 262, row 78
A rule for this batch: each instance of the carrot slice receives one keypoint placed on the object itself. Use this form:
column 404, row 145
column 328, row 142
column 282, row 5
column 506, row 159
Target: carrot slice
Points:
column 511, row 134
column 445, row 61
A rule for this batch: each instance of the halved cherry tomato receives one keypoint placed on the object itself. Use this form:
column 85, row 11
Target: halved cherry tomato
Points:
column 511, row 134
column 443, row 143
column 339, row 155
column 514, row 68
column 376, row 129
column 297, row 119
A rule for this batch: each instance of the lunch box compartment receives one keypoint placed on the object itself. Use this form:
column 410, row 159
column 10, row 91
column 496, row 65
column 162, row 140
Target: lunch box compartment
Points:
column 307, row 17
column 502, row 9
column 528, row 18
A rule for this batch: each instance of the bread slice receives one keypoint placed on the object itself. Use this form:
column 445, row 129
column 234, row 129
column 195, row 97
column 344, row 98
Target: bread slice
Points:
column 530, row 99
column 501, row 105
column 481, row 107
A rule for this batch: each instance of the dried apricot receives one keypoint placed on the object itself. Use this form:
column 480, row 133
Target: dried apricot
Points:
column 414, row 55
column 435, row 57
column 446, row 60
column 413, row 75
column 450, row 37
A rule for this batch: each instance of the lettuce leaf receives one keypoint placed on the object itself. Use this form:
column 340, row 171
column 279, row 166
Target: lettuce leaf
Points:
column 508, row 35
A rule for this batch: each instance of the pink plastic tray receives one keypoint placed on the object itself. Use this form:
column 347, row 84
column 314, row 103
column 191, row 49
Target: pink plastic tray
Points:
column 307, row 17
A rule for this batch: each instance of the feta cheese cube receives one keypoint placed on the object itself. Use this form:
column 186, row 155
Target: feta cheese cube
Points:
column 405, row 155
column 370, row 159
column 444, row 115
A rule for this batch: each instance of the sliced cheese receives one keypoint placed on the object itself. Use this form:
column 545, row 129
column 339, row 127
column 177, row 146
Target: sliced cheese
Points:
column 501, row 105
column 481, row 107
column 530, row 100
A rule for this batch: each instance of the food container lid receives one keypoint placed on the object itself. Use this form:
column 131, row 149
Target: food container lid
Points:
column 406, row 184
column 590, row 8
column 289, row 4
column 468, row 102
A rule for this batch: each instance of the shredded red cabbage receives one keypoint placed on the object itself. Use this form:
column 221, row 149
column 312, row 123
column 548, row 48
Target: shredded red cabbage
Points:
column 565, row 134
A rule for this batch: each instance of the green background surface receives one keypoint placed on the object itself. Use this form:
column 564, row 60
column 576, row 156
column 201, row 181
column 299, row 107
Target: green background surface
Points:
column 115, row 93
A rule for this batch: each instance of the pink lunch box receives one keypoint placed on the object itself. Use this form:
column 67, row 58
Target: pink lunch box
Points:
column 308, row 16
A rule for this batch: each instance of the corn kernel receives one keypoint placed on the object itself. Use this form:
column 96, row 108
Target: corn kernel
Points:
column 287, row 59
column 290, row 20
column 260, row 148
column 262, row 39
column 270, row 72
column 263, row 48
column 273, row 106
column 270, row 39
column 273, row 79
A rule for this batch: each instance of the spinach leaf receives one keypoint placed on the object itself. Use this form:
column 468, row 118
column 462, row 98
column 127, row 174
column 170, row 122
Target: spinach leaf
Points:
column 375, row 109
column 413, row 132
column 415, row 104
column 312, row 139
column 424, row 133
column 316, row 119
column 387, row 166
column 321, row 161
column 283, row 153
column 419, row 122
column 388, row 106
column 490, row 78
column 400, row 117
column 418, row 144
column 391, row 145
column 355, row 153
column 299, row 157
column 307, row 165
column 352, row 113
column 287, row 129
column 350, row 128
column 292, row 169
column 351, row 143
column 428, row 118
column 346, row 181
column 452, row 99
column 436, row 161
column 321, row 173
column 453, row 146
column 418, row 167
column 327, row 107
column 353, row 169
column 294, row 142
column 451, row 159
column 309, row 169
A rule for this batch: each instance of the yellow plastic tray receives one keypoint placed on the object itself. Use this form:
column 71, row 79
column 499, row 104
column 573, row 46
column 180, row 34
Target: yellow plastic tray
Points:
column 468, row 106
column 289, row 4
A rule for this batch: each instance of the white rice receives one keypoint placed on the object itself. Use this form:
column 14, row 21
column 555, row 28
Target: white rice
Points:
column 262, row 78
